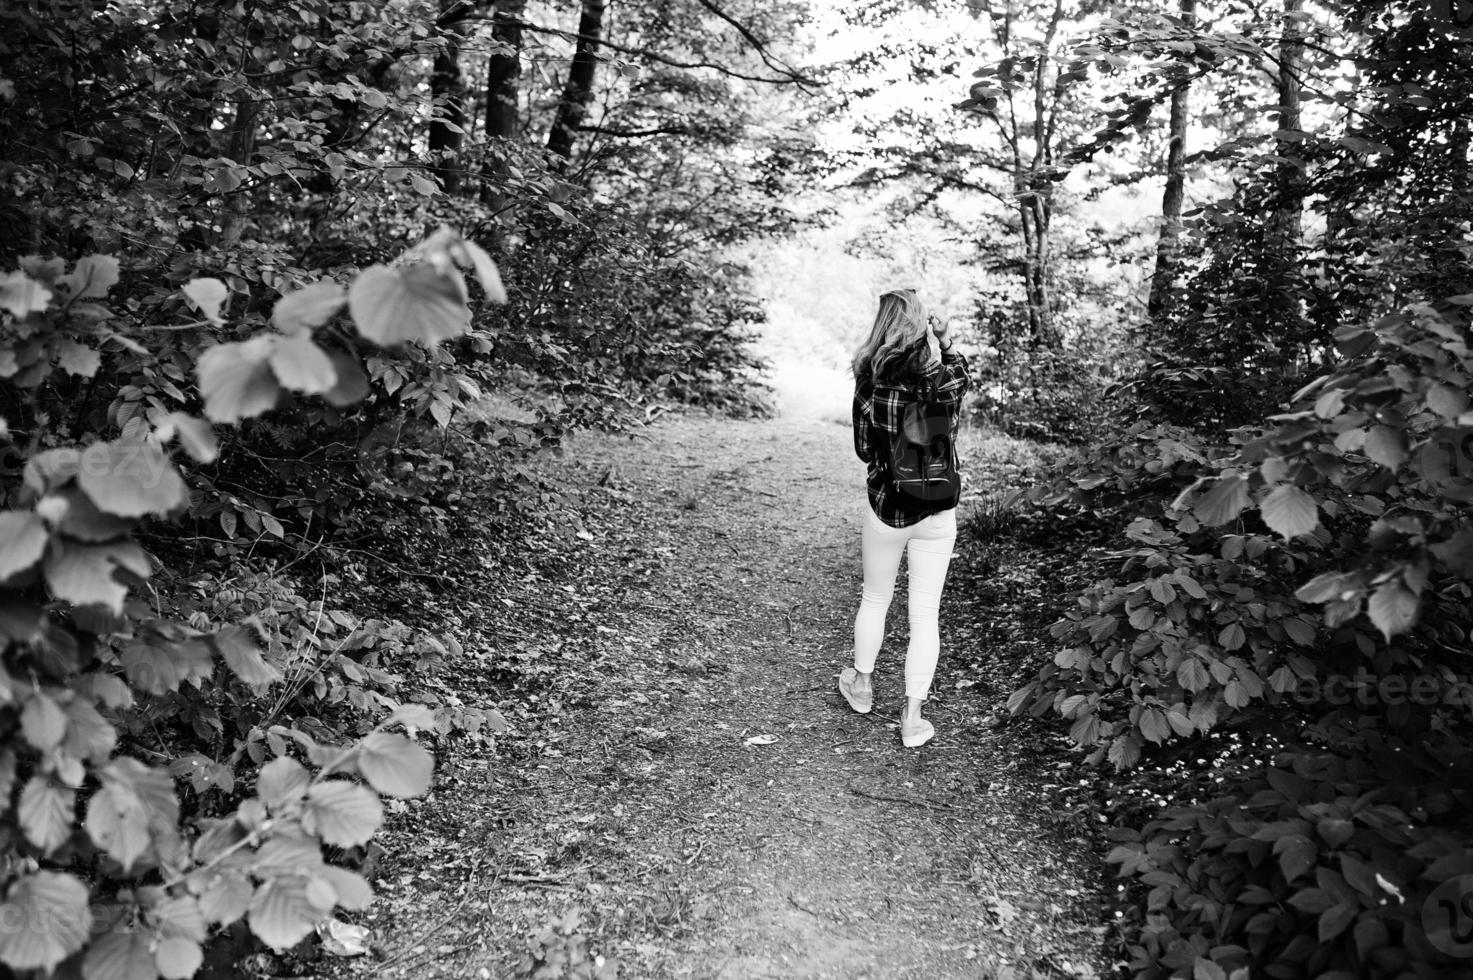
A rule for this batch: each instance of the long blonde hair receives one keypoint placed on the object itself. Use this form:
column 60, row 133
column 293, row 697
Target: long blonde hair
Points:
column 897, row 342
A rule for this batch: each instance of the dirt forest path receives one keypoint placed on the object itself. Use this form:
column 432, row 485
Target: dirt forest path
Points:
column 696, row 604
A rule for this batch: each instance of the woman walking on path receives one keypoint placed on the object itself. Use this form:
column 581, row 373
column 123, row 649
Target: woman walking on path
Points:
column 906, row 352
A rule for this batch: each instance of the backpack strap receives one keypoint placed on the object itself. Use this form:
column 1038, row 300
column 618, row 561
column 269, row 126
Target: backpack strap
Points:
column 926, row 389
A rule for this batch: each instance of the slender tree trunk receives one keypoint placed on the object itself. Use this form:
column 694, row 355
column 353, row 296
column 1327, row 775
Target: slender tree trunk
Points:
column 502, row 121
column 447, row 127
column 504, row 70
column 1279, row 255
column 1038, row 187
column 1282, row 238
column 1034, row 209
column 1458, row 144
column 1168, row 245
column 1036, row 270
column 1285, row 223
column 345, row 124
column 578, row 91
column 197, row 110
column 242, row 148
column 1448, row 270
column 240, row 145
column 1035, row 293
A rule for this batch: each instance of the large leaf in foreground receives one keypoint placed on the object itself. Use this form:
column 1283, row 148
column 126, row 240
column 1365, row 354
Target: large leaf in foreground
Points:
column 236, row 380
column 208, row 295
column 23, row 538
column 22, row 295
column 1224, row 502
column 282, row 782
column 1290, row 511
column 301, row 365
column 46, row 812
column 1387, row 446
column 243, row 657
column 310, row 306
column 162, row 666
column 418, row 303
column 84, row 574
column 342, row 813
column 117, row 822
column 123, row 955
column 394, row 765
column 352, row 383
column 93, row 276
column 178, row 958
column 1393, row 608
column 282, row 911
column 131, row 479
column 486, row 271
column 46, row 920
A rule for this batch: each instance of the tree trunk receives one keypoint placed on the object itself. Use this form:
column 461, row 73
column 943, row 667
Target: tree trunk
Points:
column 1025, row 224
column 1447, row 272
column 504, row 70
column 242, row 148
column 1033, row 217
column 502, row 121
column 447, row 126
column 578, row 91
column 1038, row 187
column 1284, row 227
column 1036, row 271
column 1168, row 245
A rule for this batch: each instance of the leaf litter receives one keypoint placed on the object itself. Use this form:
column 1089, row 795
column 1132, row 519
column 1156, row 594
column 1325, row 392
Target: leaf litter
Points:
column 616, row 828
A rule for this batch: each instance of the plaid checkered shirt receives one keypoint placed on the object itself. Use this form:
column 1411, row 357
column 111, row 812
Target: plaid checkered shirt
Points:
column 877, row 414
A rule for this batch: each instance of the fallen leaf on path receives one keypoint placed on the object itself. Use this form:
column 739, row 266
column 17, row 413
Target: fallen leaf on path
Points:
column 342, row 938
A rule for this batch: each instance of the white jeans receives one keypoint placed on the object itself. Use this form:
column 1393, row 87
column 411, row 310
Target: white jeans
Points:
column 929, row 542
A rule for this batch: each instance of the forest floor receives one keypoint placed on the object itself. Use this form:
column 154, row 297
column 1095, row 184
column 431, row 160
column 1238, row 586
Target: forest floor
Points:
column 681, row 792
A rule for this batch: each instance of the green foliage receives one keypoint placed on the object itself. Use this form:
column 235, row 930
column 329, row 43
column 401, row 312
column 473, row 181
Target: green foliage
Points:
column 609, row 317
column 560, row 951
column 1049, row 393
column 1251, row 323
column 1313, row 863
column 108, row 861
column 1261, row 575
column 1326, row 228
column 262, row 357
column 1277, row 651
column 1222, row 587
column 1056, row 389
column 265, row 148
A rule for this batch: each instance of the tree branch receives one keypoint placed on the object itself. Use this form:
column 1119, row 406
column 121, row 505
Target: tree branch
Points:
column 670, row 62
column 674, row 129
column 459, row 12
column 768, row 59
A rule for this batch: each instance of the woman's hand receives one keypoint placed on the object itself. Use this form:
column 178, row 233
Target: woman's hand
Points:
column 940, row 328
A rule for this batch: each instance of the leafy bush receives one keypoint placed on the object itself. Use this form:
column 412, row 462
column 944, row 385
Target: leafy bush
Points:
column 287, row 748
column 1331, row 543
column 559, row 951
column 1315, row 864
column 606, row 315
column 1047, row 394
column 1250, row 324
column 1052, row 393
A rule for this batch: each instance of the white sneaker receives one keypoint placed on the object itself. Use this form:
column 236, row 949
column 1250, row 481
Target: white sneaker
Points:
column 860, row 702
column 915, row 735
